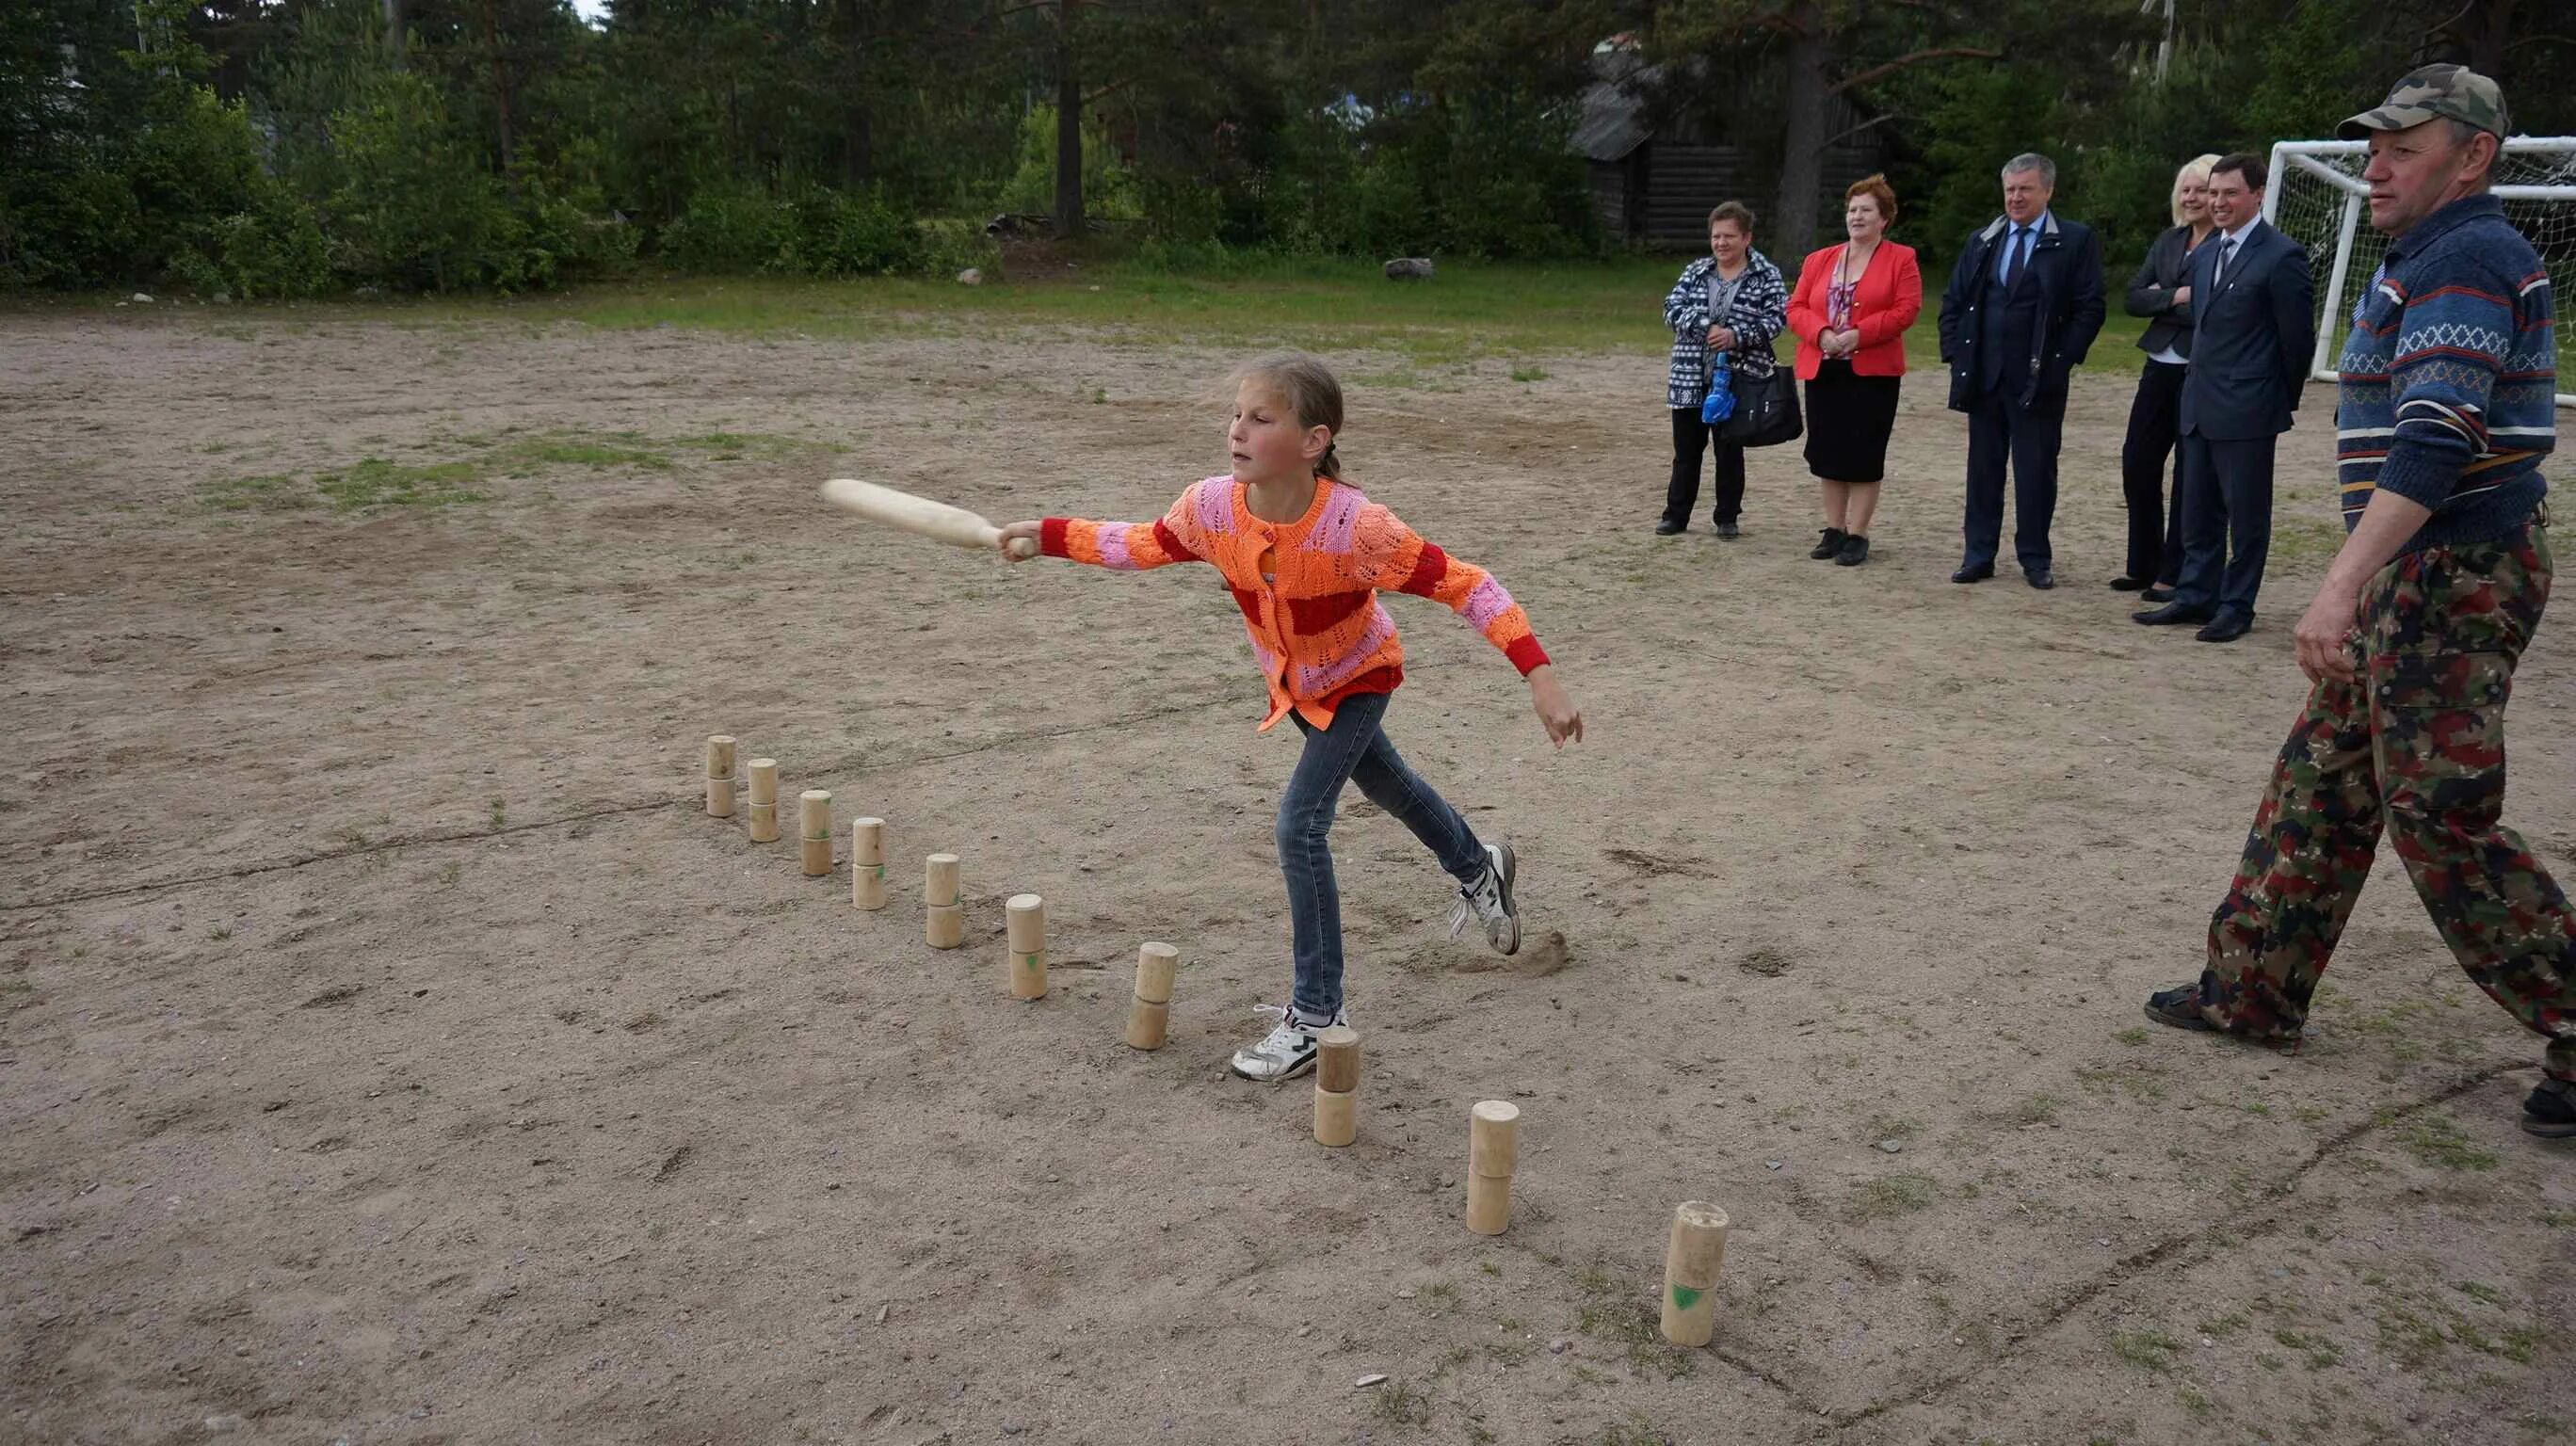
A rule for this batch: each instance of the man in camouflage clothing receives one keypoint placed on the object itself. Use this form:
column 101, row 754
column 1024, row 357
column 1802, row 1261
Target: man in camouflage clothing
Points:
column 2445, row 411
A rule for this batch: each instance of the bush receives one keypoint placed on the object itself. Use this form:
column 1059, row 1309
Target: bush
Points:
column 842, row 234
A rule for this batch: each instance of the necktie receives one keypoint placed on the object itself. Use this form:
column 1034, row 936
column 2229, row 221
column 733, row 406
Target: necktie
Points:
column 2226, row 253
column 2019, row 256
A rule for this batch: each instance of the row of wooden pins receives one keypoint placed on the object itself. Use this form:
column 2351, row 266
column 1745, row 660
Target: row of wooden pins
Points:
column 944, row 906
column 1697, row 1247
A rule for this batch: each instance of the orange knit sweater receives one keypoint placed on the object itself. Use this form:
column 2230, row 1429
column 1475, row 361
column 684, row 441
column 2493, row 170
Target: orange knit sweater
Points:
column 1317, row 628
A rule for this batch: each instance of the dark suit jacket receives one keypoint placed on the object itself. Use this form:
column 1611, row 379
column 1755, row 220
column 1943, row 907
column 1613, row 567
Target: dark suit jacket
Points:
column 2252, row 337
column 2066, row 263
column 2166, row 270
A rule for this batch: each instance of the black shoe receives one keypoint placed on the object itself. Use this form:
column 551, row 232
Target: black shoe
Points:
column 2550, row 1110
column 2179, row 1007
column 1668, row 528
column 1832, row 545
column 1855, row 551
column 2170, row 614
column 2227, row 627
column 1973, row 572
column 1729, row 531
column 2042, row 579
column 2157, row 594
column 2125, row 583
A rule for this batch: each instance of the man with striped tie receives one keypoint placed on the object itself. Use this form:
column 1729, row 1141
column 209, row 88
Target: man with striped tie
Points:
column 2446, row 408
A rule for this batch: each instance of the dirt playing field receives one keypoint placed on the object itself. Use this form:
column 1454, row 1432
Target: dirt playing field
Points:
column 392, row 1050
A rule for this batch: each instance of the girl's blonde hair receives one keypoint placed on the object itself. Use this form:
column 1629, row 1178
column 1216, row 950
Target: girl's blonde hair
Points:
column 1309, row 389
column 2195, row 169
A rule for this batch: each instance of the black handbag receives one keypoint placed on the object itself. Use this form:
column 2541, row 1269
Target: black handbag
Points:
column 1766, row 411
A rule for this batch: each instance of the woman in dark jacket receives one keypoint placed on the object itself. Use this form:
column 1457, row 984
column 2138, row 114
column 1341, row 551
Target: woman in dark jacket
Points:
column 1751, row 306
column 2161, row 291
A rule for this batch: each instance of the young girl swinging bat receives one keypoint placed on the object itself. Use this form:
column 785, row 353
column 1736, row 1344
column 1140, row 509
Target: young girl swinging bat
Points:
column 1305, row 556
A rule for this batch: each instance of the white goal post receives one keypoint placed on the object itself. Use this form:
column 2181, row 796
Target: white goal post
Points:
column 2318, row 199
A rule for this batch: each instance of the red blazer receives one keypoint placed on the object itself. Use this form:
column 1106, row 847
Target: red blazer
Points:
column 1889, row 297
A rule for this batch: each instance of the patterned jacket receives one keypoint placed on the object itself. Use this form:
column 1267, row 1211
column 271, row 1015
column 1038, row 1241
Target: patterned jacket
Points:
column 2449, row 389
column 1318, row 630
column 1759, row 313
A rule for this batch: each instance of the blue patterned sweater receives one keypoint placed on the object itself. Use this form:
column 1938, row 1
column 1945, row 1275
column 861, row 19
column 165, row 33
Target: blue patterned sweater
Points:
column 1759, row 313
column 2450, row 378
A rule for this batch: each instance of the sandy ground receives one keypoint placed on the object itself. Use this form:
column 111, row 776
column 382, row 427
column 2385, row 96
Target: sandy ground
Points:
column 391, row 1050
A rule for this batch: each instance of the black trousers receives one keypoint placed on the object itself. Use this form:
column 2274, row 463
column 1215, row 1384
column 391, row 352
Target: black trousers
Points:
column 2225, row 492
column 2001, row 430
column 1690, row 439
column 2155, row 425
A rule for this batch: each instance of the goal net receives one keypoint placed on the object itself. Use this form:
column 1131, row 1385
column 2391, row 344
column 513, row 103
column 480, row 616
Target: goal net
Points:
column 2318, row 199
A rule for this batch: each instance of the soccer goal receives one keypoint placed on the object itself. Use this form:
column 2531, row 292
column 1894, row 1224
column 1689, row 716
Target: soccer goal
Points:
column 2317, row 198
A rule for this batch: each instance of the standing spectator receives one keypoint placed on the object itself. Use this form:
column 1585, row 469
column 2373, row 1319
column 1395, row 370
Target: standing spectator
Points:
column 2023, row 306
column 2161, row 292
column 2250, row 348
column 1729, row 302
column 1854, row 302
column 2443, row 419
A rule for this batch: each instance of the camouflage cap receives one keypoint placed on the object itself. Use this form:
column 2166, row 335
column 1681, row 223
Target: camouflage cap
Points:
column 2430, row 92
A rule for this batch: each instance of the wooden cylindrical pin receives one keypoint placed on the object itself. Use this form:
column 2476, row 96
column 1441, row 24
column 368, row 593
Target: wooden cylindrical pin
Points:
column 939, row 881
column 1149, row 1014
column 814, row 831
column 1691, row 1264
column 1493, row 1152
column 1337, row 1081
column 720, row 774
column 867, row 863
column 946, row 925
column 764, row 800
column 1024, row 935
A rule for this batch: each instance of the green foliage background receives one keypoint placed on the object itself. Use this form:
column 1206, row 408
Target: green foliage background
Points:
column 281, row 148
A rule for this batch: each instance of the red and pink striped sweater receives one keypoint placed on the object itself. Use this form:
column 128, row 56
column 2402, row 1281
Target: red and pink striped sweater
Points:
column 1308, row 589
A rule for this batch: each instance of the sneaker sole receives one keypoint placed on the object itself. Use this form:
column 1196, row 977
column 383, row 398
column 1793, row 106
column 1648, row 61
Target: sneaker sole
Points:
column 1511, row 911
column 1302, row 1066
column 2549, row 1129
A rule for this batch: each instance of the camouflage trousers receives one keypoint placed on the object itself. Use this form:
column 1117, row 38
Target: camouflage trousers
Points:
column 2413, row 746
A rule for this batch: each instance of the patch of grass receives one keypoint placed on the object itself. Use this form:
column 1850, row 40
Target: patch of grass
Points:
column 1891, row 1196
column 2135, row 1034
column 1529, row 374
column 2149, row 1349
column 2479, row 1290
column 561, row 450
column 2039, row 1109
column 1898, row 1127
column 2435, row 1139
column 220, row 932
column 2194, row 1399
column 276, row 493
column 449, row 873
column 2226, row 1326
column 376, row 483
column 2321, row 1352
column 1635, row 1431
column 1399, row 1403
column 500, row 813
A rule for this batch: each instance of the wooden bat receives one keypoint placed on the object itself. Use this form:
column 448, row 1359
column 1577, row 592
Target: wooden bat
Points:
column 935, row 520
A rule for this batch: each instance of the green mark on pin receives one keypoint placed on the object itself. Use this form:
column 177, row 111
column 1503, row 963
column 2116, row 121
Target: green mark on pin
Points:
column 1684, row 1297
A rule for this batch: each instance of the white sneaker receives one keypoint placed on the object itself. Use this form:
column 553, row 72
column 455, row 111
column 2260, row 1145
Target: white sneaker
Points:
column 1287, row 1051
column 1490, row 899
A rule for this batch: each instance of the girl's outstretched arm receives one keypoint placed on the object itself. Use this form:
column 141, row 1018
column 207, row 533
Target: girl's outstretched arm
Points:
column 1124, row 546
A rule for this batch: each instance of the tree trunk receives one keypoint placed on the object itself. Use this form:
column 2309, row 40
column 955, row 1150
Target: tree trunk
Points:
column 1802, row 156
column 1068, row 127
column 395, row 41
column 858, row 140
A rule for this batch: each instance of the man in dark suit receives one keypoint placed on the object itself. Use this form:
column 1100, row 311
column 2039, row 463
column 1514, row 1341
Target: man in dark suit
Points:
column 2023, row 306
column 2253, row 331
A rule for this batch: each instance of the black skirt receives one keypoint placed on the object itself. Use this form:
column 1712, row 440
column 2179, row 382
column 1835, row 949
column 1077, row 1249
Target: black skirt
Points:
column 1848, row 421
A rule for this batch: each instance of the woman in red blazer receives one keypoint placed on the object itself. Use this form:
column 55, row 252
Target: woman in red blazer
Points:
column 1853, row 304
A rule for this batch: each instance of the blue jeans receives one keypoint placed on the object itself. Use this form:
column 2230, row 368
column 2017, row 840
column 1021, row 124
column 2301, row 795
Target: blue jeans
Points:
column 1355, row 748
